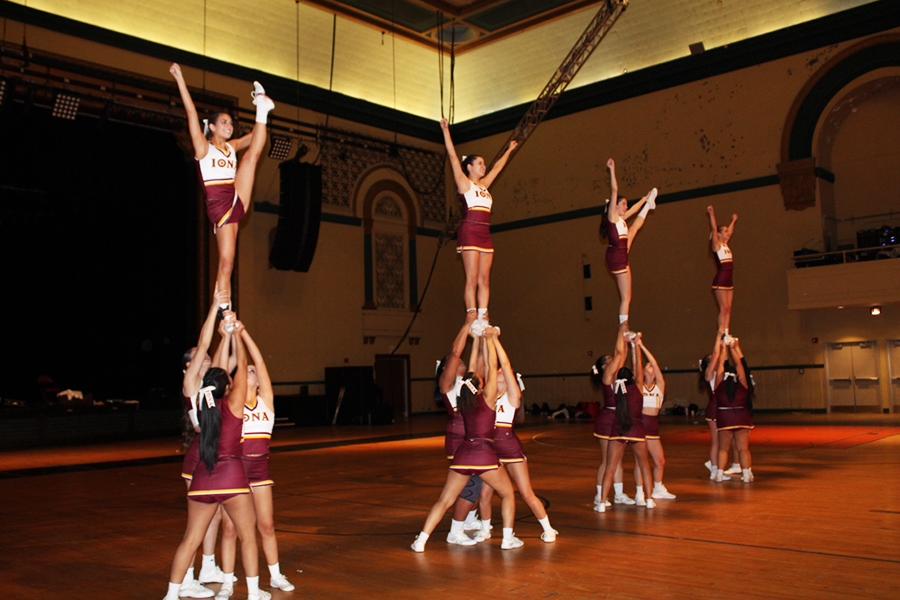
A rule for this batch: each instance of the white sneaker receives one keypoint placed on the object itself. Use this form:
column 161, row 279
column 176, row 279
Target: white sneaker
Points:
column 211, row 574
column 623, row 498
column 734, row 469
column 193, row 589
column 258, row 90
column 661, row 493
column 549, row 536
column 639, row 497
column 418, row 546
column 460, row 539
column 721, row 476
column 511, row 543
column 262, row 595
column 225, row 592
column 264, row 101
column 747, row 476
column 651, row 198
column 482, row 534
column 709, row 467
column 650, row 503
column 601, row 508
column 471, row 524
column 281, row 582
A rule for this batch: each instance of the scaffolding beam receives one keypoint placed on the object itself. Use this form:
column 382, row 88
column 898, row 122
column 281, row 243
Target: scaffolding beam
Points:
column 593, row 34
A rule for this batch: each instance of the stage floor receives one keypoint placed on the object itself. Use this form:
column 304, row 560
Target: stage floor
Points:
column 822, row 520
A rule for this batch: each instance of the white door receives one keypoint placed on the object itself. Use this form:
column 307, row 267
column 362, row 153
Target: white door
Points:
column 853, row 375
column 894, row 370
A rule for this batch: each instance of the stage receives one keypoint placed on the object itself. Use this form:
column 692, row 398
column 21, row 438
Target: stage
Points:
column 822, row 519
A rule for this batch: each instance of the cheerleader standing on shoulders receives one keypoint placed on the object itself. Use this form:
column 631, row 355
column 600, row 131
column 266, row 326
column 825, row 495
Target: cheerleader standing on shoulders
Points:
column 614, row 227
column 474, row 234
column 228, row 186
column 723, row 282
column 509, row 449
column 476, row 454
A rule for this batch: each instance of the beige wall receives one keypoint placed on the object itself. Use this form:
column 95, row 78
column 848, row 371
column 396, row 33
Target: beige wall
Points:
column 724, row 129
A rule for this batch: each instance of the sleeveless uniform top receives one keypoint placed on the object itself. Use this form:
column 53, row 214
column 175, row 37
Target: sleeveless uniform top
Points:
column 451, row 397
column 723, row 254
column 505, row 412
column 218, row 167
column 478, row 198
column 230, row 433
column 191, row 405
column 479, row 421
column 617, row 234
column 259, row 421
column 652, row 397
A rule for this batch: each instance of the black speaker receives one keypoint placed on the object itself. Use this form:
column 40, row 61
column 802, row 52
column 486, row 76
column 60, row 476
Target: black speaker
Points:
column 297, row 234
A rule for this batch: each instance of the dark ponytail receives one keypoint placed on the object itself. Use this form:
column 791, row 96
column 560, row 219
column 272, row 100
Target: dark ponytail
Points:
column 730, row 382
column 604, row 219
column 438, row 396
column 702, row 383
column 597, row 371
column 210, row 417
column 467, row 398
column 622, row 414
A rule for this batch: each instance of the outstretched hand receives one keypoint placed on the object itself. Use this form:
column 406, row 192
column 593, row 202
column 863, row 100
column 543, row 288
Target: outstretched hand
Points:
column 734, row 216
column 175, row 70
column 710, row 209
column 610, row 164
column 445, row 124
column 513, row 144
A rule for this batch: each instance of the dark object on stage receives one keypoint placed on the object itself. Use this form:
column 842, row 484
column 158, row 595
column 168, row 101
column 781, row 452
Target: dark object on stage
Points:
column 299, row 216
column 351, row 395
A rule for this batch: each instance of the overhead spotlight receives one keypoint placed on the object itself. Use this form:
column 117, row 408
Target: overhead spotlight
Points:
column 2, row 91
column 280, row 148
column 696, row 48
column 65, row 106
column 875, row 311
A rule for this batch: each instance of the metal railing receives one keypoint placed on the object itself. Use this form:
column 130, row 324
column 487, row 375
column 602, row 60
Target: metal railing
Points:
column 838, row 257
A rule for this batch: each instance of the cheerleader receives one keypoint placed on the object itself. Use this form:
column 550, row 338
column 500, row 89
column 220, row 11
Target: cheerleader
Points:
column 509, row 449
column 627, row 429
column 448, row 382
column 196, row 362
column 219, row 478
column 474, row 234
column 256, row 434
column 653, row 389
column 708, row 384
column 615, row 228
column 723, row 282
column 603, row 422
column 228, row 186
column 733, row 417
column 476, row 454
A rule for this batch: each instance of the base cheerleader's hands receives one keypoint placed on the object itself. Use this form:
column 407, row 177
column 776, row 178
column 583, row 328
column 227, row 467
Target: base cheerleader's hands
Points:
column 227, row 324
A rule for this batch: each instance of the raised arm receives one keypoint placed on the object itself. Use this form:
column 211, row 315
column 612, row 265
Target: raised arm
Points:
column 660, row 380
column 498, row 166
column 473, row 356
column 730, row 226
column 713, row 228
column 262, row 372
column 238, row 394
column 190, row 383
column 490, row 385
column 620, row 354
column 509, row 376
column 714, row 360
column 198, row 140
column 611, row 210
column 636, row 207
column 241, row 143
column 639, row 362
column 222, row 356
column 737, row 357
column 451, row 363
column 463, row 183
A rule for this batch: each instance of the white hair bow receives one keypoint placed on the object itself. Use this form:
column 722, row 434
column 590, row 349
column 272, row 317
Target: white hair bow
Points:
column 619, row 385
column 205, row 126
column 206, row 392
column 731, row 375
column 437, row 365
column 594, row 370
column 468, row 383
column 521, row 381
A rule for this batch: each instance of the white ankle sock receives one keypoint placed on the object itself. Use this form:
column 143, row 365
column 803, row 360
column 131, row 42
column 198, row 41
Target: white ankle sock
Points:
column 622, row 319
column 482, row 312
column 545, row 523
column 472, row 516
column 189, row 576
column 262, row 113
column 639, row 494
column 275, row 570
column 172, row 594
column 209, row 559
column 600, row 491
column 485, row 523
column 619, row 488
column 253, row 586
column 507, row 533
column 229, row 580
column 456, row 527
column 644, row 210
column 735, row 465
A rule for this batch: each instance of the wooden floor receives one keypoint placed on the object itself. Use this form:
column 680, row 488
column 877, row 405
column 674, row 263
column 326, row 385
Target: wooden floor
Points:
column 822, row 520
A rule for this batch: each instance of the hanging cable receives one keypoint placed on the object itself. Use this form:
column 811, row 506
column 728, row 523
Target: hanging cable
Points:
column 440, row 40
column 331, row 72
column 204, row 44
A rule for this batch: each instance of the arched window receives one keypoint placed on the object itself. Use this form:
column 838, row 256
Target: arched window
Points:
column 389, row 252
